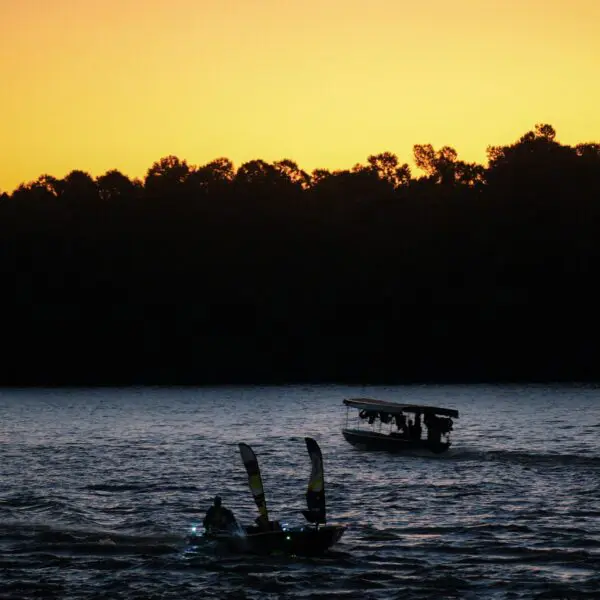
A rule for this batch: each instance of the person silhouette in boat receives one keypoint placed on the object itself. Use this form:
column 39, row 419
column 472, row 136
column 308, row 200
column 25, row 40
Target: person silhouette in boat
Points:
column 401, row 425
column 218, row 518
column 417, row 429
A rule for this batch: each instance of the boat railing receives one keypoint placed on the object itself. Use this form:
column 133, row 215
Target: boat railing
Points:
column 373, row 424
column 431, row 427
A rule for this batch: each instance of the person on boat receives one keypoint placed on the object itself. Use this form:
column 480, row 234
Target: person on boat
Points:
column 218, row 518
column 433, row 429
column 401, row 425
column 417, row 427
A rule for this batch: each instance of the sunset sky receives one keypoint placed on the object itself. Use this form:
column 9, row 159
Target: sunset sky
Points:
column 103, row 84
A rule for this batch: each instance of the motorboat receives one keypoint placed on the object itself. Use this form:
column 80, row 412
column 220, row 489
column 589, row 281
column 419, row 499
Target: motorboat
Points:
column 273, row 536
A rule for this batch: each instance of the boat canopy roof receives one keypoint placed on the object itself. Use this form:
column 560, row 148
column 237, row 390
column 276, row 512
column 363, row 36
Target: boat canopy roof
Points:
column 396, row 408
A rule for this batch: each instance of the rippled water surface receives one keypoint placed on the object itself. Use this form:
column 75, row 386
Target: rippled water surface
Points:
column 98, row 489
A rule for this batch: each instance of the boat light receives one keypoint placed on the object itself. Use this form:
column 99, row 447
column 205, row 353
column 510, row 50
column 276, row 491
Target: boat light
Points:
column 194, row 529
column 287, row 537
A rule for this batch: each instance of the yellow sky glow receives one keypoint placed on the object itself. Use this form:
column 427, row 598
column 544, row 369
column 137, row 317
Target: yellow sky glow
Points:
column 121, row 83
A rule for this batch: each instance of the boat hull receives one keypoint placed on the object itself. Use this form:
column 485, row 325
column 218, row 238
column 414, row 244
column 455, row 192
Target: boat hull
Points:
column 372, row 440
column 301, row 541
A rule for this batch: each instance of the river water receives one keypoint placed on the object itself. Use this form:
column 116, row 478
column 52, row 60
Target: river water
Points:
column 99, row 487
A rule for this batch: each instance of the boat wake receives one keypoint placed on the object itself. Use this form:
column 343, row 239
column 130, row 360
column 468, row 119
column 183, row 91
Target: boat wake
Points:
column 60, row 540
column 521, row 457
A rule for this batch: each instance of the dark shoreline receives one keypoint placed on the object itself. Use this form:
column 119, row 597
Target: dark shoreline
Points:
column 212, row 275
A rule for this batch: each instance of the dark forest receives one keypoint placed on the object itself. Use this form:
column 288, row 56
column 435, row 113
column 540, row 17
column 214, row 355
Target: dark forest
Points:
column 268, row 274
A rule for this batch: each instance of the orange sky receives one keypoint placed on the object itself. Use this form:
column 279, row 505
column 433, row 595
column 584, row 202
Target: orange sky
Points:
column 102, row 84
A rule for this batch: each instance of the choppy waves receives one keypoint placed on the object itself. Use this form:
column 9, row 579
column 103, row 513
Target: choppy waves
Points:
column 89, row 513
column 417, row 562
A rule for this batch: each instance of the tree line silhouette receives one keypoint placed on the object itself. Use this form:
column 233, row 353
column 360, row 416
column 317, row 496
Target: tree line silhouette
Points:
column 270, row 274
